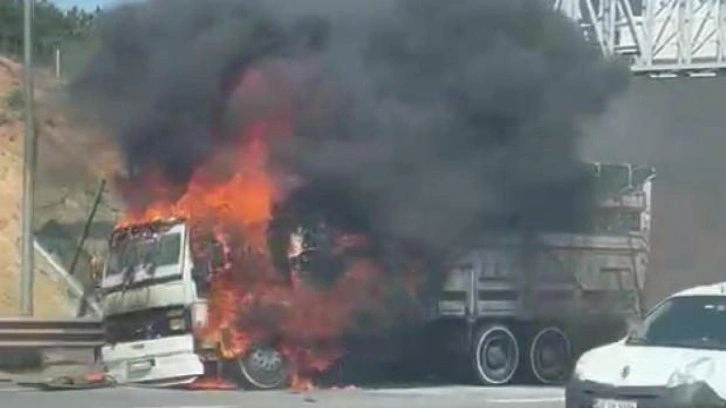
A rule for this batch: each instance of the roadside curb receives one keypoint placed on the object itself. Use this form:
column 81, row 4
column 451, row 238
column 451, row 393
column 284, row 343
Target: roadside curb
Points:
column 18, row 359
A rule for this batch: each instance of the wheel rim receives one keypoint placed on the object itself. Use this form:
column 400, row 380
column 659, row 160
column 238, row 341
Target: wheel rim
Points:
column 550, row 356
column 264, row 368
column 497, row 355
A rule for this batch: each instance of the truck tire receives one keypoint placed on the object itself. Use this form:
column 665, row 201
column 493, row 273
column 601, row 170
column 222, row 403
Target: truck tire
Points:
column 550, row 356
column 263, row 368
column 495, row 355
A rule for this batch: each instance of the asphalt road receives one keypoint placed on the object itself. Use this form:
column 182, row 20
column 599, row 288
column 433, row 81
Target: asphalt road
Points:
column 12, row 396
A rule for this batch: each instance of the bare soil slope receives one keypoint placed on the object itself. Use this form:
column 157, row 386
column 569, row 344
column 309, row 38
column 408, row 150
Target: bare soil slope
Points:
column 70, row 165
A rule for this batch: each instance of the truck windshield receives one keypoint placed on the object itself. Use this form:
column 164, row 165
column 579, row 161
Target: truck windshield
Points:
column 691, row 322
column 163, row 251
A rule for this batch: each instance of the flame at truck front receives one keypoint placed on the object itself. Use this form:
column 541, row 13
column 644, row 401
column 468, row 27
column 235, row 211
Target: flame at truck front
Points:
column 223, row 243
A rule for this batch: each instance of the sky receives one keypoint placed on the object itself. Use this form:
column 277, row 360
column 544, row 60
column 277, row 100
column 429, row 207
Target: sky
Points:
column 87, row 4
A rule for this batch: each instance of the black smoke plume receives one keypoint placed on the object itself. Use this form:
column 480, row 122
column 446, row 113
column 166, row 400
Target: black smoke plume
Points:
column 422, row 119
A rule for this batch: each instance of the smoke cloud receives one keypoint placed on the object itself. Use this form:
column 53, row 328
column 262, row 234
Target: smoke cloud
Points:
column 414, row 119
column 677, row 126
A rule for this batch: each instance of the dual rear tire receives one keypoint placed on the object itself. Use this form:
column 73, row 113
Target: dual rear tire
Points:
column 263, row 368
column 498, row 353
column 550, row 356
column 498, row 356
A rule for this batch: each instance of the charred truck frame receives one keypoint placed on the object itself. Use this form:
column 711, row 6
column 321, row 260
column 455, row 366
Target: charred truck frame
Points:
column 512, row 304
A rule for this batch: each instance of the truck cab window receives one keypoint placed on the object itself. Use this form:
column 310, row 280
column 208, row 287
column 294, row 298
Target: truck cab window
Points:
column 132, row 253
column 169, row 248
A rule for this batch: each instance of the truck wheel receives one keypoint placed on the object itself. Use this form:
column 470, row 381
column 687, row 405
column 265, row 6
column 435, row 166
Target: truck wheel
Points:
column 550, row 356
column 496, row 355
column 263, row 368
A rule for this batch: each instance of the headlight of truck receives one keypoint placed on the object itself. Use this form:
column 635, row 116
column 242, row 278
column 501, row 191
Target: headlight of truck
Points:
column 177, row 324
column 176, row 320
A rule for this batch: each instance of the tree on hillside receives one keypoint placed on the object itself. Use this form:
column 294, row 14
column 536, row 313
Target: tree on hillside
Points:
column 11, row 26
column 52, row 26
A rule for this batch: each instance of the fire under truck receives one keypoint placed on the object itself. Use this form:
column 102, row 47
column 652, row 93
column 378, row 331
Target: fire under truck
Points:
column 512, row 305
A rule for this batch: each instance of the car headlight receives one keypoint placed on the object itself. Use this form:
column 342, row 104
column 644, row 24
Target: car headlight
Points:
column 701, row 369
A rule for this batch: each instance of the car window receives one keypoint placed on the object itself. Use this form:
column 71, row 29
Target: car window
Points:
column 695, row 321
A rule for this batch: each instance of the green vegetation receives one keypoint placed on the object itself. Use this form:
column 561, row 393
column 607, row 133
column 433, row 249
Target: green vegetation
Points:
column 14, row 100
column 53, row 27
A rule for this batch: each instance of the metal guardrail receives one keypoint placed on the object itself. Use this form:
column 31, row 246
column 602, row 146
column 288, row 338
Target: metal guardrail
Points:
column 19, row 332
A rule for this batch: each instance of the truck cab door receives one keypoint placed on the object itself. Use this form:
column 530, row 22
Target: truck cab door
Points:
column 214, row 258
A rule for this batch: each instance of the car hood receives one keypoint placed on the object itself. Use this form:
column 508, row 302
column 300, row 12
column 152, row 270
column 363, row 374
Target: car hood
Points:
column 623, row 365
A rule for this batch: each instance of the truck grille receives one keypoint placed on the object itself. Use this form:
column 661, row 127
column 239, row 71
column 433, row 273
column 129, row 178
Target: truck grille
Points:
column 147, row 324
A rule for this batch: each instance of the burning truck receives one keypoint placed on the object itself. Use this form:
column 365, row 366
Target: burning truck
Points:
column 312, row 188
column 274, row 304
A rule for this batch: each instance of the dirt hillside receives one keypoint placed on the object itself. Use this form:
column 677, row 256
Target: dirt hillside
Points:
column 70, row 166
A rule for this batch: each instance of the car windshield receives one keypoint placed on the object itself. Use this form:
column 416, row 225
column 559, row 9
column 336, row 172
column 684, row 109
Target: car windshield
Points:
column 163, row 251
column 694, row 322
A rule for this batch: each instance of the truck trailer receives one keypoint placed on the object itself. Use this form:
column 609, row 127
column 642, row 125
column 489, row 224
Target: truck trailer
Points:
column 512, row 304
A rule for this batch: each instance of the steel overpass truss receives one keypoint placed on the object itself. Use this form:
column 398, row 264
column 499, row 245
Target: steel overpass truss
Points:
column 658, row 37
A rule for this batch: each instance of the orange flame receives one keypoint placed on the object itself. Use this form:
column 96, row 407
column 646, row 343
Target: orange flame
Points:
column 211, row 383
column 301, row 384
column 232, row 196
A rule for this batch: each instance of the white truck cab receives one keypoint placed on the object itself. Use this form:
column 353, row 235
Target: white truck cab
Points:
column 147, row 302
column 155, row 289
column 674, row 357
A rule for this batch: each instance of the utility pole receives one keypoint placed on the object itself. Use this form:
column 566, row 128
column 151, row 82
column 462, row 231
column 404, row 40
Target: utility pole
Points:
column 27, row 248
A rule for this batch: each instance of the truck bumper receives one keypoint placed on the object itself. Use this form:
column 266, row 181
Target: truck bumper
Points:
column 164, row 361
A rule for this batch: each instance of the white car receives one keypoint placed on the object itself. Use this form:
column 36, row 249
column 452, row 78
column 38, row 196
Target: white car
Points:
column 675, row 357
